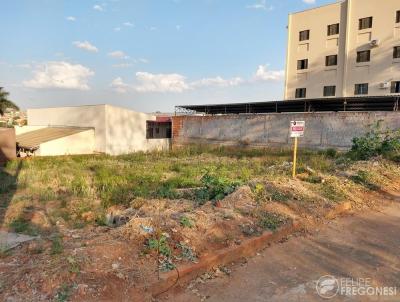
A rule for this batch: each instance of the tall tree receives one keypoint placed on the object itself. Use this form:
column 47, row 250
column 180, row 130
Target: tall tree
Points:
column 5, row 102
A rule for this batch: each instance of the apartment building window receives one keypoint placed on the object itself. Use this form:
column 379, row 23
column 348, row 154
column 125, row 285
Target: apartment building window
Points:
column 301, row 93
column 361, row 89
column 365, row 23
column 302, row 64
column 396, row 52
column 304, row 35
column 398, row 16
column 395, row 87
column 333, row 29
column 329, row 90
column 363, row 56
column 331, row 60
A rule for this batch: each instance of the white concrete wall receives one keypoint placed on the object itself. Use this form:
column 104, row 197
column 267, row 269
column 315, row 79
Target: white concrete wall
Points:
column 24, row 129
column 82, row 116
column 126, row 132
column 79, row 143
column 117, row 130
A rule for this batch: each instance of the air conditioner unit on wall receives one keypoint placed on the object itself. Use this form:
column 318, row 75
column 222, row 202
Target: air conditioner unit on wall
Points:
column 384, row 85
column 374, row 43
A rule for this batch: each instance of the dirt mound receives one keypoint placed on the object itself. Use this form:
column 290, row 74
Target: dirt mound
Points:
column 242, row 199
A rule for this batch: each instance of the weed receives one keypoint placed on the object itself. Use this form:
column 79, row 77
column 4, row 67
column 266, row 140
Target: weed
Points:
column 215, row 188
column 74, row 266
column 277, row 195
column 271, row 221
column 187, row 252
column 160, row 245
column 186, row 222
column 21, row 225
column 259, row 192
column 5, row 251
column 63, row 293
column 331, row 153
column 56, row 245
column 363, row 178
column 332, row 191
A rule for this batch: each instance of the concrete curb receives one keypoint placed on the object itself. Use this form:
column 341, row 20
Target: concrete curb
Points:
column 226, row 256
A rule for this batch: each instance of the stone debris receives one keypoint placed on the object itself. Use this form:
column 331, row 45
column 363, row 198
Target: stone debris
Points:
column 9, row 241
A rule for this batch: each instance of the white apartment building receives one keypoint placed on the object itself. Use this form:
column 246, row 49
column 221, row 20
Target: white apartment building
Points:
column 345, row 49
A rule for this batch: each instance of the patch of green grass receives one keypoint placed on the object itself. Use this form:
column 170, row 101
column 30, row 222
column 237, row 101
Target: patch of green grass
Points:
column 332, row 191
column 4, row 251
column 363, row 178
column 186, row 222
column 56, row 245
column 20, row 225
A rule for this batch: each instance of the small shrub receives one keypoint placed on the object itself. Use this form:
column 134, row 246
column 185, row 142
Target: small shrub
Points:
column 160, row 245
column 374, row 143
column 215, row 188
column 331, row 153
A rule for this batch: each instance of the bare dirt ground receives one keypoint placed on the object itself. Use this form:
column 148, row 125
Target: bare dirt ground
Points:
column 365, row 245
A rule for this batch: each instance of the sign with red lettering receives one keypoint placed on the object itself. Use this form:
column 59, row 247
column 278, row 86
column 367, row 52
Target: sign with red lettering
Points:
column 297, row 128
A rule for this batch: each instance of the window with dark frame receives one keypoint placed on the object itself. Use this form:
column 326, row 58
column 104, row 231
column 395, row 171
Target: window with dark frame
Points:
column 158, row 130
column 365, row 23
column 396, row 52
column 395, row 87
column 302, row 64
column 363, row 56
column 304, row 35
column 333, row 29
column 361, row 89
column 329, row 90
column 301, row 93
column 398, row 16
column 331, row 60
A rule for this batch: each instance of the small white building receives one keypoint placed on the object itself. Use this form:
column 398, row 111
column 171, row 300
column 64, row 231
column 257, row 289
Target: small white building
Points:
column 114, row 130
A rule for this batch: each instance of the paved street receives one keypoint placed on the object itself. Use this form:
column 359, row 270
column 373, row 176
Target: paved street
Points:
column 366, row 245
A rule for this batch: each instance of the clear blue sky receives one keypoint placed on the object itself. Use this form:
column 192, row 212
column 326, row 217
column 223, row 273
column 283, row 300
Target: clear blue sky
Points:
column 147, row 55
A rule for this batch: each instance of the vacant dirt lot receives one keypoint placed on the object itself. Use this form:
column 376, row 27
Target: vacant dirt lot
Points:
column 108, row 226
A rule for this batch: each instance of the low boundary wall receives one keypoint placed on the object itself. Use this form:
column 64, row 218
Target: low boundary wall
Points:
column 323, row 130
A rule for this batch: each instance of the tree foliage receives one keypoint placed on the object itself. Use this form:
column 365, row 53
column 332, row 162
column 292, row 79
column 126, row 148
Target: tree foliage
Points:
column 5, row 102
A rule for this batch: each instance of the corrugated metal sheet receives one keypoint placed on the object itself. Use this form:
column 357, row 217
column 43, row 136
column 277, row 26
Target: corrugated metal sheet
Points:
column 32, row 140
column 368, row 103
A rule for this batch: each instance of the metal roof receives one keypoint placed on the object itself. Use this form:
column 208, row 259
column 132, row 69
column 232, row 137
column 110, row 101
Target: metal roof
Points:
column 33, row 139
column 378, row 103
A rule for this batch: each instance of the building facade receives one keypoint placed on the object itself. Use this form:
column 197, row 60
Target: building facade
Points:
column 116, row 130
column 345, row 49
